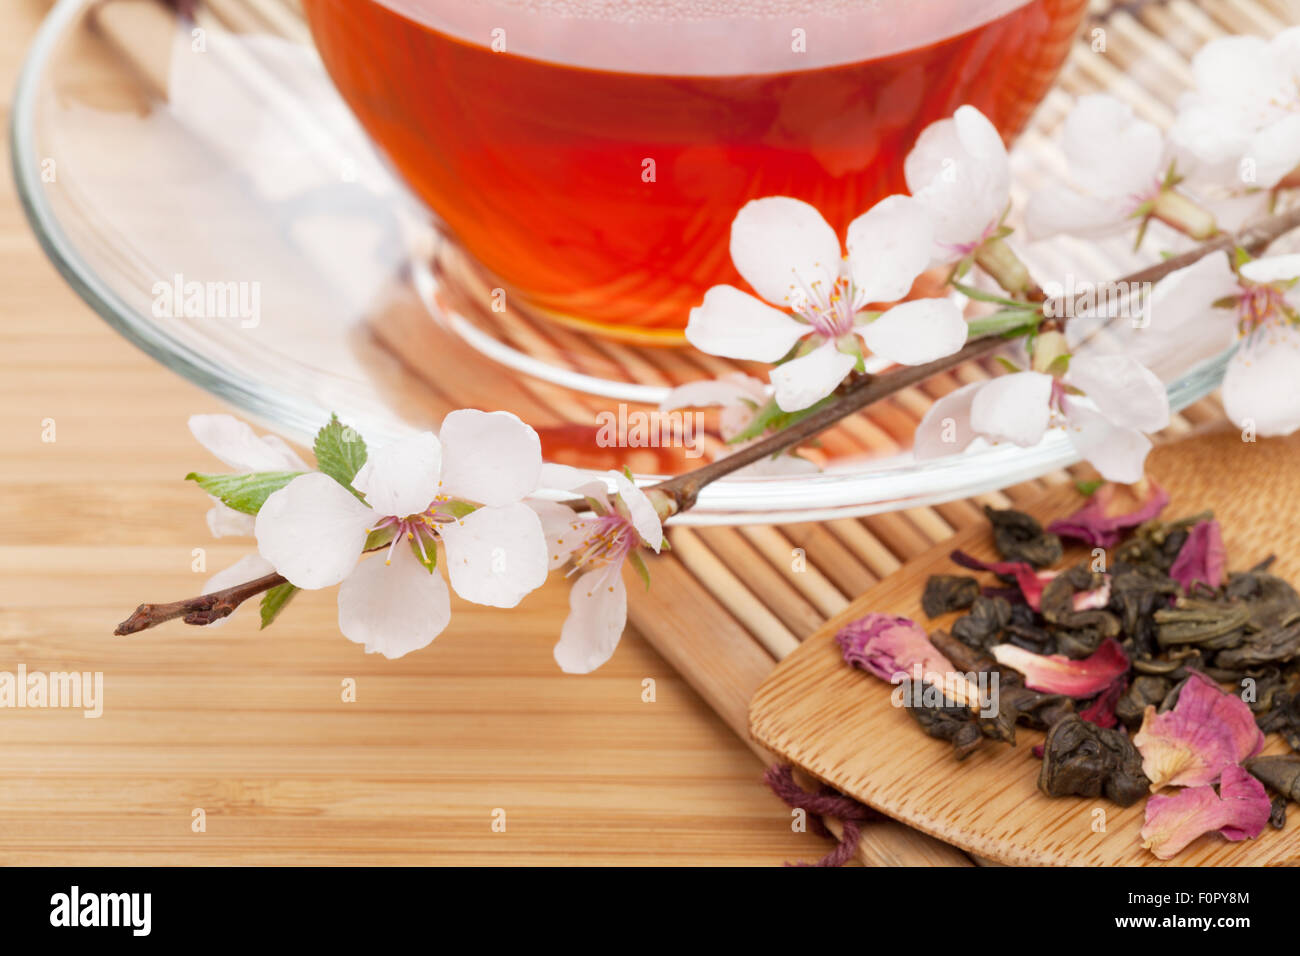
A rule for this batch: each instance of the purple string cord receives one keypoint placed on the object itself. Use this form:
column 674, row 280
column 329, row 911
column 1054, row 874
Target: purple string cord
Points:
column 824, row 802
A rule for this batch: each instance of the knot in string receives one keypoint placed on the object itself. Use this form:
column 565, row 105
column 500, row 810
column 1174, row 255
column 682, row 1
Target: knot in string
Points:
column 824, row 802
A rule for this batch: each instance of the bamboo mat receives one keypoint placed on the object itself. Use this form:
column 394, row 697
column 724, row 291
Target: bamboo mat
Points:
column 731, row 601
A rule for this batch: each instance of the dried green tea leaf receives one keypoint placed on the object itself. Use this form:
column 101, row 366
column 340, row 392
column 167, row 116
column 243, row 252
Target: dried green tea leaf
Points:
column 982, row 627
column 1145, row 691
column 948, row 592
column 940, row 717
column 1282, row 773
column 1083, row 760
column 1019, row 537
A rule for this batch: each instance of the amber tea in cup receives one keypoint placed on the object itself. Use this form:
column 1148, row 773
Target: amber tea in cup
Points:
column 591, row 154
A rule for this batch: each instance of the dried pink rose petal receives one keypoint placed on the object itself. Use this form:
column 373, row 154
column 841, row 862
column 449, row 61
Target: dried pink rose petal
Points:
column 1057, row 674
column 1112, row 509
column 1205, row 732
column 1102, row 710
column 1239, row 811
column 1202, row 557
column 886, row 645
column 1031, row 582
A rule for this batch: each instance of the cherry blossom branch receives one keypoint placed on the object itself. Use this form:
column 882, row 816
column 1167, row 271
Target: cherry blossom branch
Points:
column 856, row 394
column 681, row 491
column 203, row 609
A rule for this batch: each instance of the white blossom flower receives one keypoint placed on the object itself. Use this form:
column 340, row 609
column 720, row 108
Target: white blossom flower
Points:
column 958, row 170
column 238, row 446
column 791, row 256
column 1242, row 121
column 596, row 546
column 740, row 397
column 1116, row 164
column 463, row 488
column 1105, row 403
column 1258, row 306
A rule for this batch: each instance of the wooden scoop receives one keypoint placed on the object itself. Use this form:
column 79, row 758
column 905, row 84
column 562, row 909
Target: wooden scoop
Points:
column 839, row 725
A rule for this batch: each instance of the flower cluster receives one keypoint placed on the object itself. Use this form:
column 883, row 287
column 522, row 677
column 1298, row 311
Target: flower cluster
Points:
column 374, row 524
column 1236, row 137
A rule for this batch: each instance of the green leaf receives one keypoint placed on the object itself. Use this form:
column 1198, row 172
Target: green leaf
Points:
column 980, row 295
column 430, row 552
column 340, row 452
column 457, row 508
column 634, row 558
column 275, row 600
column 771, row 418
column 380, row 538
column 1007, row 364
column 1059, row 366
column 1003, row 322
column 244, row 493
column 1087, row 488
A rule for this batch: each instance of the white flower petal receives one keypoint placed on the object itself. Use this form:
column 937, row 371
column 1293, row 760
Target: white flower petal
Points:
column 1013, row 408
column 495, row 556
column 393, row 609
column 786, row 464
column 312, row 530
column 739, row 395
column 248, row 568
column 1123, row 389
column 916, row 332
column 1276, row 151
column 239, row 447
column 567, row 478
column 1262, row 386
column 958, row 170
column 889, row 246
column 1112, row 153
column 402, row 478
column 1232, row 66
column 224, row 521
column 640, row 511
column 1185, row 295
column 1058, row 210
column 722, row 391
column 946, row 427
column 810, row 378
column 781, row 245
column 1271, row 269
column 1118, row 453
column 489, row 457
column 733, row 324
column 597, row 616
column 564, row 528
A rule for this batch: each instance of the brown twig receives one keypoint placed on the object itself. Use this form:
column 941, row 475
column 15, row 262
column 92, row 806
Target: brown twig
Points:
column 684, row 489
column 203, row 609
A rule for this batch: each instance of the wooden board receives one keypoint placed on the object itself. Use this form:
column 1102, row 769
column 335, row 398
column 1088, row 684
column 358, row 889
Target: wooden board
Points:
column 839, row 725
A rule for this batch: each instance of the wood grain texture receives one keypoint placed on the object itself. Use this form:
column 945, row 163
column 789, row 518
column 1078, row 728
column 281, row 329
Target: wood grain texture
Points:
column 839, row 724
column 250, row 725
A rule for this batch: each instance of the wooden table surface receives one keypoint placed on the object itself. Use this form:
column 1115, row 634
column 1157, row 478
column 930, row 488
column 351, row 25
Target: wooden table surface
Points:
column 251, row 727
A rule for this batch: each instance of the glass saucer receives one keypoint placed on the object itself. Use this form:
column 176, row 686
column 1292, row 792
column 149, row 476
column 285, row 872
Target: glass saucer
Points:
column 202, row 186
